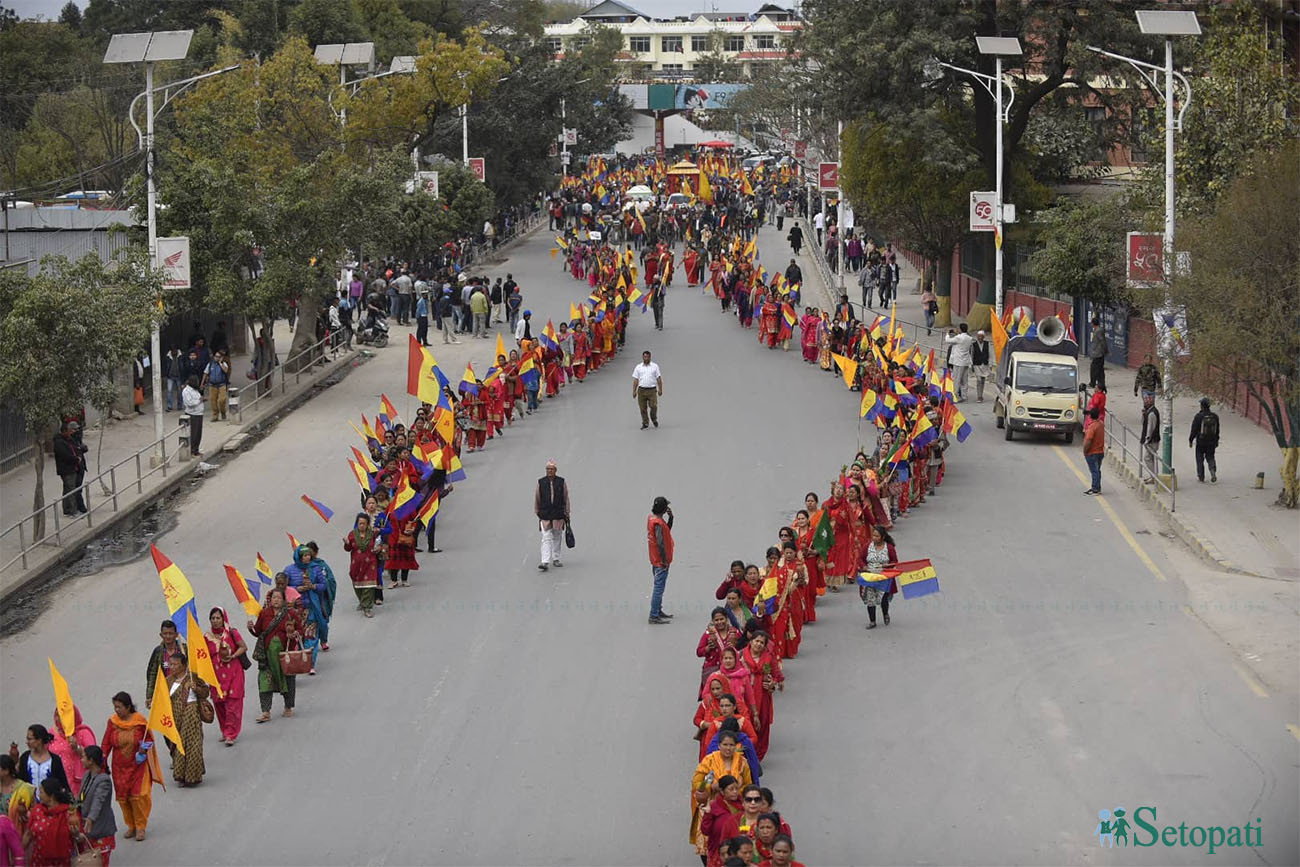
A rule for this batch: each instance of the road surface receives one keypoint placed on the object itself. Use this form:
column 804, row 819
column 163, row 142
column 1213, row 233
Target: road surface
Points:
column 492, row 714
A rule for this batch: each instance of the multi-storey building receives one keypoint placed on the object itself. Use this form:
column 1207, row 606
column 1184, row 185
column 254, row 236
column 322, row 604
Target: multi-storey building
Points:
column 671, row 48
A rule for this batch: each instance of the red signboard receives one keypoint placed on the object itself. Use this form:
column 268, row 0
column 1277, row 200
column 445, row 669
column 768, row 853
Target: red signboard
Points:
column 478, row 166
column 1146, row 266
column 800, row 149
column 828, row 176
column 659, row 137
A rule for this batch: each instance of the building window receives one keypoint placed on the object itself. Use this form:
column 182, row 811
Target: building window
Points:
column 555, row 45
column 672, row 67
column 580, row 43
column 638, row 44
column 1096, row 117
column 699, row 44
column 670, row 44
column 765, row 42
column 734, row 43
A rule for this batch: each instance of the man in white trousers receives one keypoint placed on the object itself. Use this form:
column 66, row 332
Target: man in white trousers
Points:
column 551, row 504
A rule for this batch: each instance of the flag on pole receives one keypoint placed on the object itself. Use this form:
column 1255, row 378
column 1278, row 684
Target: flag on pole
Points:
column 161, row 718
column 243, row 590
column 63, row 706
column 501, row 346
column 364, row 460
column 444, row 422
column 319, row 508
column 765, row 602
column 824, row 535
column 1000, row 336
column 848, row 368
column 264, row 573
column 200, row 660
column 293, row 541
column 429, row 510
column 915, row 578
column 468, row 381
column 176, row 588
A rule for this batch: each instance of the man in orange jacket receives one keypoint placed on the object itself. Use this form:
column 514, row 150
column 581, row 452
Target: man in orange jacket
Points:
column 1094, row 447
column 659, row 537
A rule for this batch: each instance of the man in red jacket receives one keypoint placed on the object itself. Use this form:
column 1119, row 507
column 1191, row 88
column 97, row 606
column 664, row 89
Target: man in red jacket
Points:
column 659, row 537
column 1094, row 447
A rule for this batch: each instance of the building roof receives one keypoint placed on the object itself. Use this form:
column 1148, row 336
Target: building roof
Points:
column 612, row 9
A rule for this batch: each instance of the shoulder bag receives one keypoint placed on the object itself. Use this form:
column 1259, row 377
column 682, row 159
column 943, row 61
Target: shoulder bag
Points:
column 295, row 662
column 569, row 541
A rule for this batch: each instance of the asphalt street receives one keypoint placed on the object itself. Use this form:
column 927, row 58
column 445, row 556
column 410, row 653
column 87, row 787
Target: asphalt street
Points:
column 493, row 714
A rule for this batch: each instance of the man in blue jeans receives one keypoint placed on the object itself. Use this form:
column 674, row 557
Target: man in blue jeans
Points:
column 1094, row 448
column 659, row 536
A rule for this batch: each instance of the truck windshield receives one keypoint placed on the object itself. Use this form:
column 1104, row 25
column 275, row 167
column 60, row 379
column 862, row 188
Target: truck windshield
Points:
column 1042, row 376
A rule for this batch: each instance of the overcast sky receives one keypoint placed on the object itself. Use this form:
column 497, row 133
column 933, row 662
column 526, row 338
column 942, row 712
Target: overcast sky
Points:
column 656, row 8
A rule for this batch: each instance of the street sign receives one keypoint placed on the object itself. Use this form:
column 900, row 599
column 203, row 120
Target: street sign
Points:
column 1146, row 263
column 828, row 176
column 566, row 158
column 553, row 149
column 981, row 211
column 800, row 149
column 427, row 182
column 478, row 165
column 174, row 259
column 1171, row 331
column 570, row 137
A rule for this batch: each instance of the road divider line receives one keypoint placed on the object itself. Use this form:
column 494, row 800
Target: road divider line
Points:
column 1114, row 518
column 1255, row 686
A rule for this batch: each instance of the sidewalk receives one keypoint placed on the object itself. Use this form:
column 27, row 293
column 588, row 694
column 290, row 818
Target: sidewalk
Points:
column 1230, row 523
column 123, row 440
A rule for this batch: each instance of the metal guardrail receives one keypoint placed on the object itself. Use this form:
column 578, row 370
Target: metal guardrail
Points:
column 1119, row 436
column 107, row 488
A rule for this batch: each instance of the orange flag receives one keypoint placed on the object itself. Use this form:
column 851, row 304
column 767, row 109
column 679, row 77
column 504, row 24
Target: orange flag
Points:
column 200, row 659
column 161, row 718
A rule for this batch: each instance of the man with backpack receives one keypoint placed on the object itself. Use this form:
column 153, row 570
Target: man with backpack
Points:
column 1204, row 437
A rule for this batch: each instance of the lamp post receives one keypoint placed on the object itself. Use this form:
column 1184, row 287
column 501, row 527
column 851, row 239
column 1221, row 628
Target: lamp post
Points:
column 998, row 47
column 148, row 48
column 1167, row 24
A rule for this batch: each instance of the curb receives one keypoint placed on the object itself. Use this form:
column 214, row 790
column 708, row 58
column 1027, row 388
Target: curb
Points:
column 182, row 471
column 1183, row 528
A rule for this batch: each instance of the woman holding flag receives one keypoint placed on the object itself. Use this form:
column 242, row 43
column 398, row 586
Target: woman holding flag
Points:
column 190, row 709
column 133, row 761
column 225, row 648
column 361, row 544
column 879, row 555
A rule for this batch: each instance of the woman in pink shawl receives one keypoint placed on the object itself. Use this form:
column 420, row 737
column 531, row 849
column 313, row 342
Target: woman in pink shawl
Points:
column 69, row 750
column 738, row 676
column 808, row 339
column 225, row 645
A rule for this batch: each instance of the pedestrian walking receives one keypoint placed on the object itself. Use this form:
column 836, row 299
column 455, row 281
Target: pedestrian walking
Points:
column 1204, row 437
column 980, row 369
column 1094, row 447
column 929, row 304
column 551, row 505
column 1098, row 349
column 647, row 388
column 795, row 238
column 480, row 306
column 1150, row 437
column 226, row 647
column 659, row 537
column 173, row 377
column 446, row 316
column 70, row 464
column 961, row 359
column 524, row 328
column 192, row 402
column 819, row 224
column 1147, row 380
column 422, row 319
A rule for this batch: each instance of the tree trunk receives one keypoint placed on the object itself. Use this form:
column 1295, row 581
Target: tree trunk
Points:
column 943, row 291
column 1290, row 494
column 38, row 497
column 99, row 453
column 305, row 334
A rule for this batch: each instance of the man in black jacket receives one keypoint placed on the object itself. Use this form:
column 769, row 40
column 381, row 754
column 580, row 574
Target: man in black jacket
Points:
column 551, row 504
column 1205, row 437
column 70, row 464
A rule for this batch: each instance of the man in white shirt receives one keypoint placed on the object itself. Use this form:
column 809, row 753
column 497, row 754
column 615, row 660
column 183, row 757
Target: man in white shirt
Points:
column 960, row 360
column 819, row 223
column 524, row 327
column 647, row 388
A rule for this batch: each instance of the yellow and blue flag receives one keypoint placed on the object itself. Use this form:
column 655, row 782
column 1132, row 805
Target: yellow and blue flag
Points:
column 177, row 591
column 915, row 578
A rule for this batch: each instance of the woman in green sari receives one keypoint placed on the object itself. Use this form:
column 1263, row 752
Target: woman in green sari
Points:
column 275, row 629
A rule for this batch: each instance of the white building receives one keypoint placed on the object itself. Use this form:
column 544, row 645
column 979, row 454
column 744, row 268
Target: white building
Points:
column 671, row 47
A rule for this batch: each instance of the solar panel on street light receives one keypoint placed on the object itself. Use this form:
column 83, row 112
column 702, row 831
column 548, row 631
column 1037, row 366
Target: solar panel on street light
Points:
column 169, row 45
column 1162, row 22
column 403, row 63
column 1007, row 46
column 358, row 54
column 330, row 54
column 127, row 48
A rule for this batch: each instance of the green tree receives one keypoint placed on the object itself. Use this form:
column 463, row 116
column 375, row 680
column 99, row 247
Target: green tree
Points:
column 1240, row 294
column 872, row 57
column 64, row 334
column 328, row 21
column 715, row 65
column 1083, row 249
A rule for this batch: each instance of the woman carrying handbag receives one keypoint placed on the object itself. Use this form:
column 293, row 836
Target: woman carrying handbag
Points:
column 95, row 805
column 276, row 630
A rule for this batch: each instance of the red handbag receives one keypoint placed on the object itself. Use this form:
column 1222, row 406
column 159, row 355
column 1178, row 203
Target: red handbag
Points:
column 295, row 662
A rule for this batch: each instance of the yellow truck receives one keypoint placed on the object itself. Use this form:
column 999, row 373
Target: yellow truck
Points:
column 1038, row 383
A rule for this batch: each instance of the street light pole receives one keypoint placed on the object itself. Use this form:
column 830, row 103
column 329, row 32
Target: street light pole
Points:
column 564, row 138
column 1166, row 23
column 998, row 234
column 839, row 204
column 151, row 198
column 464, row 134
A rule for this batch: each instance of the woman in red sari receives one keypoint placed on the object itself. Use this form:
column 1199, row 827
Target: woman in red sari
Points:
column 839, row 560
column 804, row 531
column 720, row 634
column 581, row 351
column 766, row 678
column 769, row 324
column 738, row 677
column 860, row 527
column 692, row 262
column 808, row 334
column 50, row 826
column 225, row 644
column 787, row 571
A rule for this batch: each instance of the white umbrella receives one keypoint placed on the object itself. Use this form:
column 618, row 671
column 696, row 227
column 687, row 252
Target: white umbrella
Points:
column 640, row 191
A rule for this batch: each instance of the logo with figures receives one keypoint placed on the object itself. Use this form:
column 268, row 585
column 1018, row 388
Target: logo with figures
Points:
column 1118, row 828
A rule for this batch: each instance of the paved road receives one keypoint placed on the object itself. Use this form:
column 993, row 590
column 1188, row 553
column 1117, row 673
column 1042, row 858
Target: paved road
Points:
column 495, row 715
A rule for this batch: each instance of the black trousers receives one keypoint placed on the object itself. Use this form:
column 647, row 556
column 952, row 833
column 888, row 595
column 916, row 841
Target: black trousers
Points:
column 1204, row 455
column 884, row 607
column 1097, row 373
column 73, row 503
column 196, row 433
